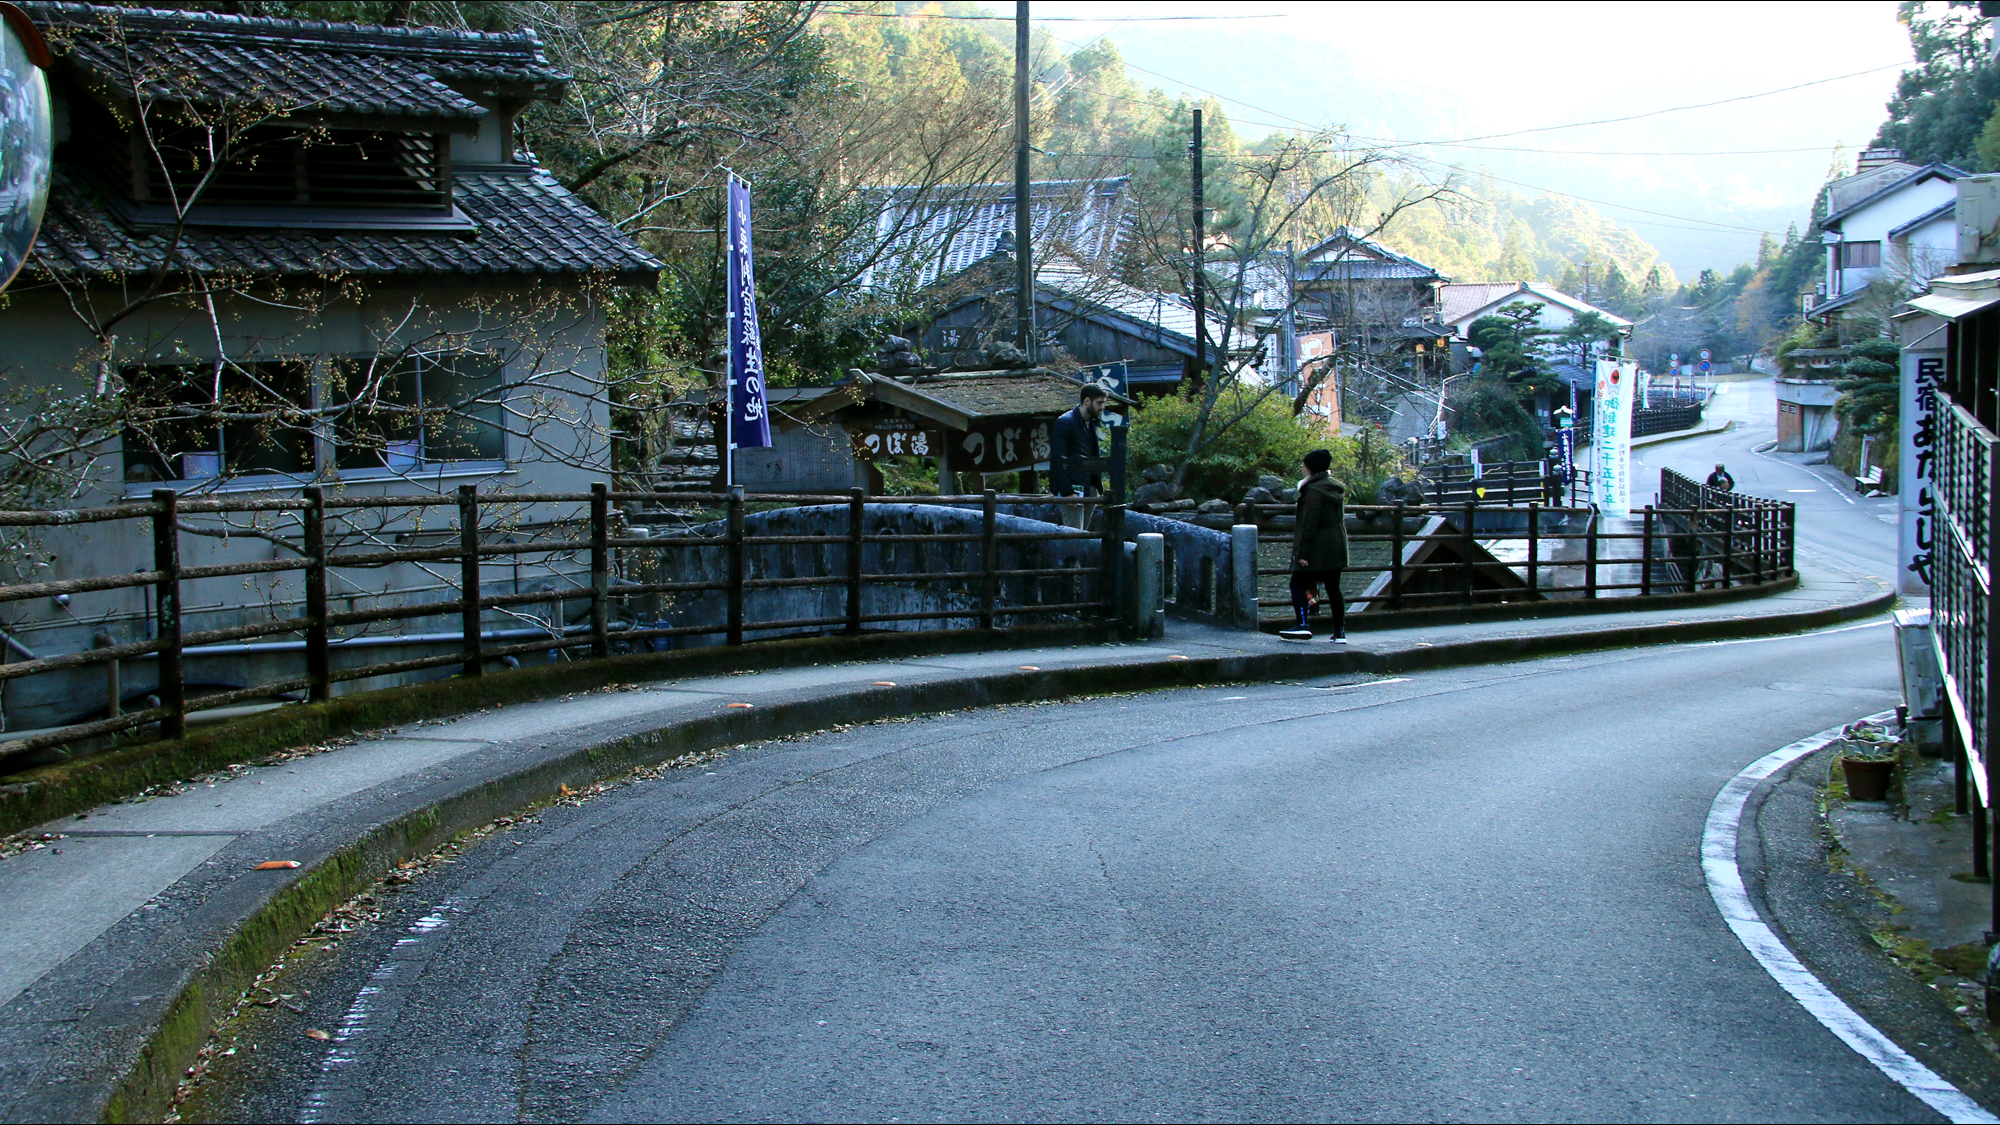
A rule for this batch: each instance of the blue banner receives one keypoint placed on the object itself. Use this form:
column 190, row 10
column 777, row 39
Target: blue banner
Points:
column 749, row 414
column 1110, row 376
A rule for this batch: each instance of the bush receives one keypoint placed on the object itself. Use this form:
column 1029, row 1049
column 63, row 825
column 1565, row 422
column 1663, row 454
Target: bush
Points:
column 1487, row 408
column 1269, row 441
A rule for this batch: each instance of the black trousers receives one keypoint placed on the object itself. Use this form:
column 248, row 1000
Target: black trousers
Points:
column 1303, row 583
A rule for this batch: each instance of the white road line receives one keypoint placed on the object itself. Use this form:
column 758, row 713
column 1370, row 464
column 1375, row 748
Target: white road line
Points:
column 1366, row 683
column 1725, row 885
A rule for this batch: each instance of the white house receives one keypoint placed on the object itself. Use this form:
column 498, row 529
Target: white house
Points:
column 1461, row 304
column 1891, row 219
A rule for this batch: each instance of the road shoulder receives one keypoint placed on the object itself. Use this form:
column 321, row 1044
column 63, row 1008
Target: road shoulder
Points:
column 1827, row 916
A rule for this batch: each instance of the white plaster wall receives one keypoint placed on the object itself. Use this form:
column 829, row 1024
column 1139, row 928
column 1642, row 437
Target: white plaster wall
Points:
column 554, row 346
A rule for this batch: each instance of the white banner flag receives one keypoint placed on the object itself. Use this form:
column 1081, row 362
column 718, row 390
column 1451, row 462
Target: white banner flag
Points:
column 1611, row 435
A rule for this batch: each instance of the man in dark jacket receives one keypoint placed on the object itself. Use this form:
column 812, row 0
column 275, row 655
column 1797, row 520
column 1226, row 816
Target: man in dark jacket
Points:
column 1720, row 479
column 1320, row 547
column 1075, row 435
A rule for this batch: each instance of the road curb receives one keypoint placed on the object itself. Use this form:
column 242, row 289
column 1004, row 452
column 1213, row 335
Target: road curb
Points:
column 144, row 1029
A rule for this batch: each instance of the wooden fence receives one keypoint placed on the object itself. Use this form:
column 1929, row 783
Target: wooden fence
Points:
column 590, row 558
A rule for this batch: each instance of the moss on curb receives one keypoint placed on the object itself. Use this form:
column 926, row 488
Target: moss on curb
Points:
column 143, row 1089
column 48, row 792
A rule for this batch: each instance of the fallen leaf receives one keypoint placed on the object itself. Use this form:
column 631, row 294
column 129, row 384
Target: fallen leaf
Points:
column 1029, row 668
column 740, row 705
column 1177, row 656
column 885, row 683
column 564, row 790
column 277, row 865
column 316, row 1033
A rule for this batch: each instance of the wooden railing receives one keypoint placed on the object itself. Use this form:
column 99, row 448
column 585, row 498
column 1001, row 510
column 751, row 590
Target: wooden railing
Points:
column 1404, row 557
column 593, row 559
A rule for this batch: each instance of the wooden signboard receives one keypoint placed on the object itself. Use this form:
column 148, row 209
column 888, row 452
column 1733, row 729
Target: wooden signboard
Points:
column 998, row 447
column 876, row 438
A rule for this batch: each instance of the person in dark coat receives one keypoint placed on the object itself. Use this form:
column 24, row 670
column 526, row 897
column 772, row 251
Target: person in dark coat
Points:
column 1320, row 547
column 1074, row 434
column 1720, row 479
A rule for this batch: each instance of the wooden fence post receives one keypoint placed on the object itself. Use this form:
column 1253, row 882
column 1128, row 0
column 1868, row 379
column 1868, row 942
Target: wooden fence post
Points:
column 856, row 511
column 1646, row 556
column 1510, row 484
column 1395, row 559
column 167, row 597
column 737, row 567
column 468, row 580
column 989, row 557
column 1465, row 553
column 1534, row 544
column 600, row 570
column 319, row 665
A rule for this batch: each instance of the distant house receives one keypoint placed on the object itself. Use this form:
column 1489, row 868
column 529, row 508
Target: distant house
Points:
column 1890, row 220
column 1460, row 305
column 951, row 248
column 1364, row 291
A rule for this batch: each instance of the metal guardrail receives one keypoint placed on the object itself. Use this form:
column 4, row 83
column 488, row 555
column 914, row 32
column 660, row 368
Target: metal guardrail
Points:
column 592, row 558
column 1965, row 475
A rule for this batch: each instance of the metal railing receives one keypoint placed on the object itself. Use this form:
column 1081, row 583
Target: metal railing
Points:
column 1965, row 474
column 593, row 559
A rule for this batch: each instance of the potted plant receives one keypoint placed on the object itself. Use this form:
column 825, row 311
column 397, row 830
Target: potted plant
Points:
column 1868, row 760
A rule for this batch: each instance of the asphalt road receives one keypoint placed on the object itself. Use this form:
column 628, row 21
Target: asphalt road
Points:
column 1472, row 894
column 1832, row 519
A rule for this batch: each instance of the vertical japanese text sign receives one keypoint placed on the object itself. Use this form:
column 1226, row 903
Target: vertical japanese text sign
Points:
column 1611, row 436
column 749, row 415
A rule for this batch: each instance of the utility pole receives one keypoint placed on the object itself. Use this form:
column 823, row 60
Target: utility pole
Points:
column 1200, row 257
column 1024, row 267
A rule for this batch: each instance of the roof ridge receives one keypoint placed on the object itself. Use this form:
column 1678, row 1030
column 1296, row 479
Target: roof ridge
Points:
column 324, row 33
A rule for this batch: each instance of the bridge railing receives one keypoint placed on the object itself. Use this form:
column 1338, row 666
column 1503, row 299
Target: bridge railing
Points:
column 1470, row 554
column 554, row 575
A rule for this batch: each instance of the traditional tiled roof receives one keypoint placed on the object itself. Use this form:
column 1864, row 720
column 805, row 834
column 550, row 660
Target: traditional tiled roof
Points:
column 304, row 66
column 1346, row 255
column 527, row 224
column 997, row 394
column 1456, row 302
column 923, row 234
column 1461, row 299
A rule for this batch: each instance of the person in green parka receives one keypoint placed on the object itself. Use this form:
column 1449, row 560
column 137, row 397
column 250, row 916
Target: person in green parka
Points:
column 1320, row 547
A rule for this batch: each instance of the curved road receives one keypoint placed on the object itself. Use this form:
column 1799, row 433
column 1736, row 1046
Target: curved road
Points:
column 1468, row 894
column 1833, row 521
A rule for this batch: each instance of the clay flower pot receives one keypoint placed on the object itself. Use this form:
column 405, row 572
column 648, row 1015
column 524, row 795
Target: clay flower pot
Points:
column 1867, row 778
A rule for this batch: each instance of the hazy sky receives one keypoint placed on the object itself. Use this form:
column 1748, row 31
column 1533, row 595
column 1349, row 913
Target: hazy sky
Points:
column 1412, row 72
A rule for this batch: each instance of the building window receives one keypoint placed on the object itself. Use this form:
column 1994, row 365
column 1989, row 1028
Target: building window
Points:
column 193, row 422
column 1860, row 255
column 416, row 410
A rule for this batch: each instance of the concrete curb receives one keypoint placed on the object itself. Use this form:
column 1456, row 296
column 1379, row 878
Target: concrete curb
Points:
column 145, row 1019
column 48, row 792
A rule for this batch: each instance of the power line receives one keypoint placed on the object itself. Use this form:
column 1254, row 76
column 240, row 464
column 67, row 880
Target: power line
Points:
column 1673, row 109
